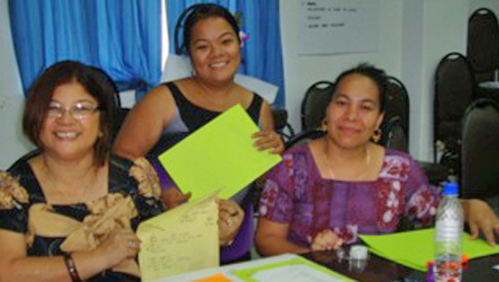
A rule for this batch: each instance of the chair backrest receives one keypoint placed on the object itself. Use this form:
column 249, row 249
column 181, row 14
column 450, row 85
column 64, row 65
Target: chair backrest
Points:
column 304, row 137
column 397, row 109
column 281, row 124
column 314, row 104
column 480, row 150
column 119, row 113
column 396, row 137
column 454, row 92
column 483, row 44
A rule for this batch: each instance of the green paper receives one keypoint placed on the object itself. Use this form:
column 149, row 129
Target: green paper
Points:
column 219, row 155
column 415, row 248
column 247, row 274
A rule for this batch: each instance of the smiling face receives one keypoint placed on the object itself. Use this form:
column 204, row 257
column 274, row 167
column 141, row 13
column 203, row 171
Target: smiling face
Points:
column 215, row 50
column 354, row 111
column 67, row 136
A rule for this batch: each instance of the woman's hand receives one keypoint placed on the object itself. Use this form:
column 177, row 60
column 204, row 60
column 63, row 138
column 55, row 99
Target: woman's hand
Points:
column 480, row 217
column 230, row 218
column 173, row 197
column 269, row 139
column 118, row 246
column 326, row 240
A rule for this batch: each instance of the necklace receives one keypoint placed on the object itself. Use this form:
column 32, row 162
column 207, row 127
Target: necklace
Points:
column 332, row 175
column 71, row 197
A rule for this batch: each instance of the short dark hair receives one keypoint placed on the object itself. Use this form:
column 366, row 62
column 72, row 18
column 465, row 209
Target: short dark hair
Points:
column 377, row 75
column 95, row 81
column 198, row 12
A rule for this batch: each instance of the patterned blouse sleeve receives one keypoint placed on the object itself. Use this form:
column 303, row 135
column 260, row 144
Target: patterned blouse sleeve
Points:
column 276, row 201
column 148, row 199
column 13, row 200
column 422, row 198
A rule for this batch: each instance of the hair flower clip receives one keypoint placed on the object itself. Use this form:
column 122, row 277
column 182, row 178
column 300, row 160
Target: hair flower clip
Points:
column 242, row 34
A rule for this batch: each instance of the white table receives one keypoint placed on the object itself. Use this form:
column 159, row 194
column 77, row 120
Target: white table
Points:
column 263, row 271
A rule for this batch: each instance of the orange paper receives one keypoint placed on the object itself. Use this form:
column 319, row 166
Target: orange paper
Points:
column 219, row 277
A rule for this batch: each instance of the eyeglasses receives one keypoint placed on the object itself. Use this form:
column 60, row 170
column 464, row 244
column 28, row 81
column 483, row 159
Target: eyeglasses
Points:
column 79, row 111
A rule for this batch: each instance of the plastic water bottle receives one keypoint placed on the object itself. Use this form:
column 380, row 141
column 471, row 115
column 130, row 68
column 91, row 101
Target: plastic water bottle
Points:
column 448, row 230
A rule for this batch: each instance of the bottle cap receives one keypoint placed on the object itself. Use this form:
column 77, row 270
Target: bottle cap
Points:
column 358, row 252
column 450, row 188
column 464, row 258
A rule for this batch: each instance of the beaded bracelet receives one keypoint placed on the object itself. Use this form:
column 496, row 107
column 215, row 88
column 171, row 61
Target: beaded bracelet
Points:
column 70, row 265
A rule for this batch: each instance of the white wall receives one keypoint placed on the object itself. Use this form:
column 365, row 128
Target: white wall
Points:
column 12, row 142
column 432, row 28
column 412, row 64
column 491, row 4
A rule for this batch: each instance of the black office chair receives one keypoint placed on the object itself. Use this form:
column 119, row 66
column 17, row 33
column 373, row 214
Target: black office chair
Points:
column 314, row 104
column 483, row 44
column 304, row 137
column 479, row 177
column 454, row 92
column 395, row 129
column 281, row 124
column 119, row 113
column 395, row 126
column 395, row 136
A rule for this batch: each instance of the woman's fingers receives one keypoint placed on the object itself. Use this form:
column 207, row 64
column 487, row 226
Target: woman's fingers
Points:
column 133, row 246
column 228, row 209
column 230, row 219
column 119, row 245
column 173, row 197
column 269, row 139
column 481, row 218
column 319, row 243
column 185, row 197
column 326, row 240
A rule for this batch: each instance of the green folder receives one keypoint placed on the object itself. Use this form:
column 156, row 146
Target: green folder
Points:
column 415, row 248
column 219, row 155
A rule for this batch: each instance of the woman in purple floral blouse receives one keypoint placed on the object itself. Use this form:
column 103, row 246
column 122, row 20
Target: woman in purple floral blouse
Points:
column 323, row 194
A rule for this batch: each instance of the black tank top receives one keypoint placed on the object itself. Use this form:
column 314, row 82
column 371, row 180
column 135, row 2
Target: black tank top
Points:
column 194, row 116
column 191, row 117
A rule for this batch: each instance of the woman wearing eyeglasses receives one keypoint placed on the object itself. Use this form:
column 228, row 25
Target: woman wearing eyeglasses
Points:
column 68, row 210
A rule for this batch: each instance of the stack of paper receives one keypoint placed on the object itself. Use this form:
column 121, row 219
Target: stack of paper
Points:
column 415, row 248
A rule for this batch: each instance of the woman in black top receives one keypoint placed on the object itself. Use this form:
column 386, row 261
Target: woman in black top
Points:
column 211, row 39
column 69, row 209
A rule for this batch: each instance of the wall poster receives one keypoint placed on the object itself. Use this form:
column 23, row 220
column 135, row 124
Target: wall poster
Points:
column 338, row 26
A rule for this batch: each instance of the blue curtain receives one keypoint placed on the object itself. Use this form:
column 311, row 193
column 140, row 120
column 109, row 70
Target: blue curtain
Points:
column 262, row 53
column 121, row 37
